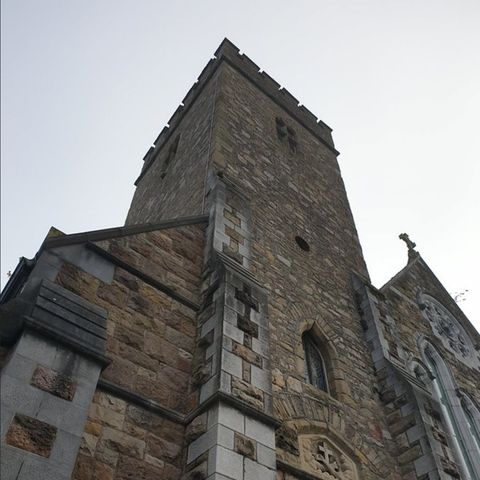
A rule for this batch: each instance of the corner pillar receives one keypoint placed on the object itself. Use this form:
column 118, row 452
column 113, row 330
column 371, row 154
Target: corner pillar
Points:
column 233, row 434
column 48, row 382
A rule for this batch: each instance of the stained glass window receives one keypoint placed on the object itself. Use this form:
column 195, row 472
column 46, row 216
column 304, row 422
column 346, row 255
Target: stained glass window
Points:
column 315, row 365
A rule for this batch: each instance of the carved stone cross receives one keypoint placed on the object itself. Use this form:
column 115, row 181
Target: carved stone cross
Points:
column 245, row 296
column 327, row 459
column 404, row 236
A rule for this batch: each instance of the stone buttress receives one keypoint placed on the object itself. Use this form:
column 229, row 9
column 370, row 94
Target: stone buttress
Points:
column 57, row 350
column 234, row 435
column 402, row 324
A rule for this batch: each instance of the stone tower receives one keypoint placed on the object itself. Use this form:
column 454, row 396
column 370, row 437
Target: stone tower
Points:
column 229, row 330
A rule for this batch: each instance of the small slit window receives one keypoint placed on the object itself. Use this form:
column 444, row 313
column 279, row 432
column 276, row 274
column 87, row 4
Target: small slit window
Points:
column 314, row 363
column 281, row 128
column 172, row 151
column 292, row 139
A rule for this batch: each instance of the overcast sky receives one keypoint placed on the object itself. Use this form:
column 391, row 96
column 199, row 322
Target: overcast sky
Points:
column 88, row 84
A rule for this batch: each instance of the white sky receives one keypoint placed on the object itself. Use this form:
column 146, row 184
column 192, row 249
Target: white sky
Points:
column 88, row 84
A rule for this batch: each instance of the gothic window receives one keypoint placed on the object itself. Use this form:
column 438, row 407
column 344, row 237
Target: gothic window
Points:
column 473, row 417
column 292, row 139
column 451, row 333
column 314, row 363
column 460, row 423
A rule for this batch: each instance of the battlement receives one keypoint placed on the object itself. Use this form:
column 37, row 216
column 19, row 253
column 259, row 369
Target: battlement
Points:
column 228, row 52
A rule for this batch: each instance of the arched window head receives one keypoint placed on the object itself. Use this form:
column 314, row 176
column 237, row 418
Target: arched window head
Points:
column 315, row 370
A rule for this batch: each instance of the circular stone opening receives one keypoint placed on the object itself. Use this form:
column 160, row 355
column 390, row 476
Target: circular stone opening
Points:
column 303, row 244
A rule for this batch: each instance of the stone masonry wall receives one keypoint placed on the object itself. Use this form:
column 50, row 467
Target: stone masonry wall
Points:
column 176, row 190
column 406, row 301
column 402, row 301
column 396, row 327
column 150, row 341
column 47, row 385
column 291, row 188
column 403, row 396
column 299, row 192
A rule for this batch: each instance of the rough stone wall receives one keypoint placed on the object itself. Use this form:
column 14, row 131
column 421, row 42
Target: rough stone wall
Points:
column 399, row 391
column 176, row 190
column 397, row 326
column 403, row 303
column 123, row 441
column 301, row 193
column 150, row 340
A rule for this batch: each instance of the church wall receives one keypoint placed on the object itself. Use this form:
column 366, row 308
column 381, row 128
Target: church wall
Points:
column 135, row 424
column 177, row 190
column 301, row 193
column 402, row 300
column 399, row 320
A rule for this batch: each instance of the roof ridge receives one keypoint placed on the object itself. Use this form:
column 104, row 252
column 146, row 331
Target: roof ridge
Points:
column 400, row 273
column 103, row 234
column 466, row 323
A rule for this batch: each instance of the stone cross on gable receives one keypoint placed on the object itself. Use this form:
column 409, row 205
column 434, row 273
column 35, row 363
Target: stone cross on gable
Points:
column 404, row 236
column 412, row 253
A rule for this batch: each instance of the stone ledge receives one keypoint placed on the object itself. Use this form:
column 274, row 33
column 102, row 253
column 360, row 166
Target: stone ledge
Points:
column 180, row 418
column 239, row 405
column 141, row 401
column 32, row 324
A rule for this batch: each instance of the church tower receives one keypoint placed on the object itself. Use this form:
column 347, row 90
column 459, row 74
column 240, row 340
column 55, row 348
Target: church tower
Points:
column 229, row 331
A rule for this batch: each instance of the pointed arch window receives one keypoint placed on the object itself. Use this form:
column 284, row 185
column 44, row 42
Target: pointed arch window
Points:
column 473, row 417
column 315, row 372
column 461, row 423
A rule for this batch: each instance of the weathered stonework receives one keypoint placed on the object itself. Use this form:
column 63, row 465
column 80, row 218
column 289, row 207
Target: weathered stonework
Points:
column 399, row 348
column 323, row 458
column 173, row 346
column 51, row 381
column 31, row 435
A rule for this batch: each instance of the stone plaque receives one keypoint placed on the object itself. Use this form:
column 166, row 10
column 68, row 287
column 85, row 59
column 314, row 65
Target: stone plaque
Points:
column 321, row 457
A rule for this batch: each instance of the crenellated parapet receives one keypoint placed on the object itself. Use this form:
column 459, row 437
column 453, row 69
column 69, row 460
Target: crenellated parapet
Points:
column 229, row 53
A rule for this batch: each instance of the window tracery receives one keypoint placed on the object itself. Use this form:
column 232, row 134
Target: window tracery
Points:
column 448, row 329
